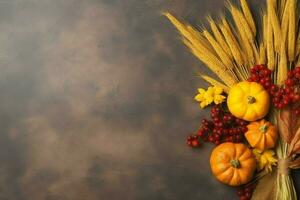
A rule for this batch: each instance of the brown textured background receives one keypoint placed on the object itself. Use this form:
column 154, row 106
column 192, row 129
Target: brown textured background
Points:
column 96, row 99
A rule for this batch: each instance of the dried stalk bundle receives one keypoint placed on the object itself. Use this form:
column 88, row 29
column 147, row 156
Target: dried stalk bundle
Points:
column 230, row 50
column 208, row 51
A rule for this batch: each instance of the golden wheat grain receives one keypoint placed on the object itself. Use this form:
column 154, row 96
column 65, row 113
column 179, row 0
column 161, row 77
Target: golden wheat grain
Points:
column 213, row 64
column 242, row 23
column 274, row 3
column 198, row 45
column 255, row 52
column 201, row 52
column 242, row 71
column 270, row 45
column 282, row 7
column 292, row 30
column 275, row 23
column 214, row 82
column 197, row 39
column 285, row 22
column 188, row 32
column 262, row 54
column 221, row 53
column 248, row 15
column 231, row 41
column 180, row 26
column 265, row 28
column 243, row 36
column 219, row 37
column 282, row 67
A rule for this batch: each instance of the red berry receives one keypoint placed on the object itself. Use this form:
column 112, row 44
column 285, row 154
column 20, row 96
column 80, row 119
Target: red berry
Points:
column 296, row 97
column 289, row 82
column 243, row 198
column 195, row 143
column 200, row 133
column 290, row 74
column 217, row 142
column 280, row 105
column 267, row 84
column 210, row 138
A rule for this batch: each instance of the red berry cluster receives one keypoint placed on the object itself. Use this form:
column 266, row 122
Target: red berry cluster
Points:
column 281, row 96
column 223, row 127
column 193, row 141
column 245, row 192
column 292, row 86
column 262, row 75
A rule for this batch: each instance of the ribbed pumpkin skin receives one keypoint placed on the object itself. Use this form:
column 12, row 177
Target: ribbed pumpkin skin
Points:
column 261, row 140
column 220, row 162
column 239, row 104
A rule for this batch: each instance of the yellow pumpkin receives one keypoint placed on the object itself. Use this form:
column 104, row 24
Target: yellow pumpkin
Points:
column 248, row 101
column 233, row 164
column 261, row 135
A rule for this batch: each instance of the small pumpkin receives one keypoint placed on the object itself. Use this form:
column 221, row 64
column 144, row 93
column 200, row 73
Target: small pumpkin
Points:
column 248, row 101
column 261, row 135
column 233, row 163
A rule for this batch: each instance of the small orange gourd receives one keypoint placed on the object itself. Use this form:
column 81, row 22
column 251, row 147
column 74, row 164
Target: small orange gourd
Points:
column 261, row 135
column 233, row 163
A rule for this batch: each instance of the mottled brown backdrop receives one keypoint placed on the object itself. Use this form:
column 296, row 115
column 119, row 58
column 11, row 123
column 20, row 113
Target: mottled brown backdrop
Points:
column 96, row 99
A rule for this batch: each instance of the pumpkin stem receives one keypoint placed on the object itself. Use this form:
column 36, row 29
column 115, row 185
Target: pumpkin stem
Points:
column 251, row 99
column 263, row 128
column 235, row 163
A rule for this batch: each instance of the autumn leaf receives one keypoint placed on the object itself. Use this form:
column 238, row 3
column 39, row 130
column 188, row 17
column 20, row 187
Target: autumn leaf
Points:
column 295, row 143
column 266, row 187
column 284, row 124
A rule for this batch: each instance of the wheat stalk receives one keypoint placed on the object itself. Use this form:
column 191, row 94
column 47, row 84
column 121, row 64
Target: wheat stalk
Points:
column 248, row 16
column 265, row 28
column 282, row 7
column 262, row 54
column 270, row 45
column 285, row 21
column 220, row 52
column 231, row 41
column 198, row 47
column 219, row 37
column 282, row 67
column 213, row 63
column 197, row 39
column 292, row 30
column 275, row 24
column 245, row 39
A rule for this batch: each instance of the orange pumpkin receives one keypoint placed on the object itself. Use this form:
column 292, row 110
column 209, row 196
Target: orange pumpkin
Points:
column 233, row 164
column 261, row 135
